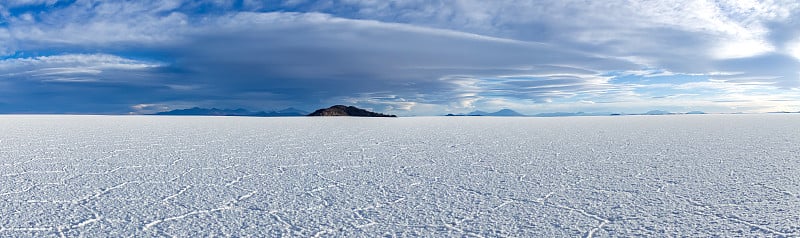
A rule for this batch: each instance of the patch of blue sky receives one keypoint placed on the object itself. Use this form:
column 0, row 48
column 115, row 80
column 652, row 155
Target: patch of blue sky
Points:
column 41, row 52
column 204, row 8
column 211, row 7
column 38, row 7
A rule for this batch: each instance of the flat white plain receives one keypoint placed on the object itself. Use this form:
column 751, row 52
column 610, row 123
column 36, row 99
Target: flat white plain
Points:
column 687, row 175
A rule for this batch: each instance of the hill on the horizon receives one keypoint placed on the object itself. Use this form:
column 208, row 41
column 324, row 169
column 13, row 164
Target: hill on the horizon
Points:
column 657, row 112
column 342, row 110
column 506, row 113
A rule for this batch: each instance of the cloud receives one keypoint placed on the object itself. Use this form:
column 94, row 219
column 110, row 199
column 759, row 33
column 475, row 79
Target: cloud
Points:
column 75, row 26
column 143, row 109
column 678, row 35
column 404, row 56
column 72, row 82
column 793, row 49
column 17, row 3
column 308, row 55
column 70, row 67
column 311, row 56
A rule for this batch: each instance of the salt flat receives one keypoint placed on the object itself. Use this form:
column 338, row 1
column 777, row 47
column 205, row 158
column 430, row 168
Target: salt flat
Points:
column 683, row 175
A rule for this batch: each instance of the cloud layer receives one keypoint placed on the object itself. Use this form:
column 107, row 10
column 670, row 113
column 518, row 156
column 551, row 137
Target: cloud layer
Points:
column 406, row 57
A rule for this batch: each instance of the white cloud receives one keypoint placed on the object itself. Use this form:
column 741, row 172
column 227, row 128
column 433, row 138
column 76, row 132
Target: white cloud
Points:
column 85, row 23
column 70, row 67
column 794, row 49
column 103, row 61
column 17, row 3
column 742, row 48
column 147, row 108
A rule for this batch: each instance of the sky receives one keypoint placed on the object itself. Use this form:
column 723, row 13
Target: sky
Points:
column 405, row 57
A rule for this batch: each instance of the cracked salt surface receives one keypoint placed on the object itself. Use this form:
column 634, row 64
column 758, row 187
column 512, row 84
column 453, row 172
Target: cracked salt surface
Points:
column 692, row 175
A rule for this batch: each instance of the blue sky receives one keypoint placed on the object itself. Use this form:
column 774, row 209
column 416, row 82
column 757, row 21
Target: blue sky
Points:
column 412, row 57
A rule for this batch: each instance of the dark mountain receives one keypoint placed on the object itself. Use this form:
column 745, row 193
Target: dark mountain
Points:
column 342, row 110
column 695, row 112
column 196, row 111
column 657, row 112
column 292, row 110
column 477, row 113
column 505, row 113
column 206, row 112
column 288, row 112
column 277, row 114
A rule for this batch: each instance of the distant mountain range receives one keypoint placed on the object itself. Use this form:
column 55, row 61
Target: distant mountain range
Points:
column 657, row 112
column 653, row 112
column 506, row 113
column 661, row 112
column 512, row 113
column 197, row 111
column 501, row 113
column 573, row 114
column 342, row 110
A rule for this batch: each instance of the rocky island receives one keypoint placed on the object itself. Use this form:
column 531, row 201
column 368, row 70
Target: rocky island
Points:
column 342, row 110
